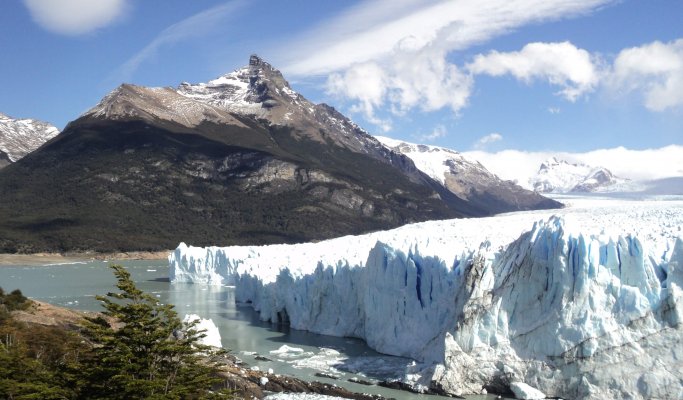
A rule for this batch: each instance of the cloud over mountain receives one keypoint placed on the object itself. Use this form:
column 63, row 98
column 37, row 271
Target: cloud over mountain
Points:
column 407, row 44
column 75, row 17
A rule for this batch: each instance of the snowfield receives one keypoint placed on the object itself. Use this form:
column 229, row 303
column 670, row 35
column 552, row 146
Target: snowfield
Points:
column 583, row 302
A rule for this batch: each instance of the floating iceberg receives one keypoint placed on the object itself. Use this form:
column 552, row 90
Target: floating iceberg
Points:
column 587, row 304
column 212, row 336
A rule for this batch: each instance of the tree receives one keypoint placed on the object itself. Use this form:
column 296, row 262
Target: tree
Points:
column 146, row 352
column 23, row 377
column 34, row 362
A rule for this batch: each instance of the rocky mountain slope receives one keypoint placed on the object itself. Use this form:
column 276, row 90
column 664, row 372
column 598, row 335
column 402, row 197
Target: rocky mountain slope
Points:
column 560, row 176
column 469, row 179
column 19, row 137
column 242, row 159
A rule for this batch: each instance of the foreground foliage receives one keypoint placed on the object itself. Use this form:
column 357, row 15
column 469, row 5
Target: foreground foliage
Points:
column 138, row 349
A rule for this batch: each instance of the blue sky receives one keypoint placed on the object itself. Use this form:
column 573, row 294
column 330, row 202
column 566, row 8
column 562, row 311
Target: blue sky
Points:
column 532, row 75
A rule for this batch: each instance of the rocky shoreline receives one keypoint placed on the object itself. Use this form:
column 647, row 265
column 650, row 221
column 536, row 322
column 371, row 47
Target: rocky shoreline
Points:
column 54, row 258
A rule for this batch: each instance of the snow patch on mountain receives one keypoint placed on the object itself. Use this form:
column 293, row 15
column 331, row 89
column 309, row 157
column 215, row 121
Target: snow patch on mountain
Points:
column 586, row 304
column 18, row 137
column 138, row 102
column 432, row 160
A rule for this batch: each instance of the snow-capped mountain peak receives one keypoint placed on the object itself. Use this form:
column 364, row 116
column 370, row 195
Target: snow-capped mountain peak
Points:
column 255, row 89
column 260, row 90
column 560, row 176
column 18, row 137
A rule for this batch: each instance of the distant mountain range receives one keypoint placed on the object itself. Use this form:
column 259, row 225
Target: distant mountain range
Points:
column 468, row 179
column 19, row 137
column 242, row 159
column 559, row 176
column 611, row 170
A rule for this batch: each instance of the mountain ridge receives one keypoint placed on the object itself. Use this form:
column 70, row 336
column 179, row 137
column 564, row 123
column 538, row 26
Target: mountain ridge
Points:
column 18, row 137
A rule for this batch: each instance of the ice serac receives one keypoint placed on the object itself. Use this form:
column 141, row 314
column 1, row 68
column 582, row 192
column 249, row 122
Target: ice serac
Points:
column 569, row 308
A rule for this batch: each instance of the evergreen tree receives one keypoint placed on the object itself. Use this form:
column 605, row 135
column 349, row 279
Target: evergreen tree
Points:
column 148, row 353
column 33, row 361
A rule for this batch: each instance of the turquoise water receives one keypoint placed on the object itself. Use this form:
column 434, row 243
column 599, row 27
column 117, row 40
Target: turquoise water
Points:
column 75, row 285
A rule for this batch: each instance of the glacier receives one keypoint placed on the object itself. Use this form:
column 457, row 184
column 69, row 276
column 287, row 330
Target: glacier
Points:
column 583, row 302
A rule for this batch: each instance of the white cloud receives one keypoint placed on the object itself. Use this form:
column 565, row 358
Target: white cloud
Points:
column 637, row 165
column 364, row 83
column 438, row 132
column 416, row 80
column 561, row 64
column 75, row 17
column 197, row 25
column 409, row 40
column 655, row 70
column 424, row 79
column 486, row 140
column 554, row 110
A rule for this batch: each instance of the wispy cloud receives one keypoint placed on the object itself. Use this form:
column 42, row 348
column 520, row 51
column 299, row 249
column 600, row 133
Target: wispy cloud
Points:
column 409, row 41
column 376, row 29
column 484, row 141
column 198, row 25
column 75, row 17
column 438, row 132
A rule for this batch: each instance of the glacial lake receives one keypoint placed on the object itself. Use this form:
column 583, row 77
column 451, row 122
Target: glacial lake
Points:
column 75, row 285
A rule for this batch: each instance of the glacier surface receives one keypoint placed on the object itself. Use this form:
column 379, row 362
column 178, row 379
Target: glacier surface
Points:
column 583, row 302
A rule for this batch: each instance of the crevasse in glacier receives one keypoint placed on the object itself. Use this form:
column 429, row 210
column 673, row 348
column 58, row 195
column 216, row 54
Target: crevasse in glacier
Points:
column 575, row 313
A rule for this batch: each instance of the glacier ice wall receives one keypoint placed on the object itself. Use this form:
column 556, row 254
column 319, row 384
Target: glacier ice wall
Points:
column 573, row 314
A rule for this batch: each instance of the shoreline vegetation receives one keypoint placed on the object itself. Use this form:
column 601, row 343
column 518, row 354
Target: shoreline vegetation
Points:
column 94, row 354
column 9, row 259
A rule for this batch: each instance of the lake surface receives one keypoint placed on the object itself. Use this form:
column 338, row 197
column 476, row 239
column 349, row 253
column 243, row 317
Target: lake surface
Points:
column 290, row 352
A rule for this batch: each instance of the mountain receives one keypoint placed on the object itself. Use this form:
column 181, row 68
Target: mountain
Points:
column 242, row 159
column 19, row 137
column 559, row 176
column 469, row 179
